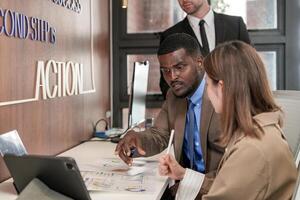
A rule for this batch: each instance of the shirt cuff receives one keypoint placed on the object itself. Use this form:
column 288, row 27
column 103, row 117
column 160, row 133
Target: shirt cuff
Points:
column 190, row 185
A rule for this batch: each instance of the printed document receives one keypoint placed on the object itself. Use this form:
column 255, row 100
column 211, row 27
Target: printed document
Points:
column 112, row 174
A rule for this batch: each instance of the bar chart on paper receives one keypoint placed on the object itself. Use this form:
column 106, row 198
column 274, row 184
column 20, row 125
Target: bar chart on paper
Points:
column 113, row 175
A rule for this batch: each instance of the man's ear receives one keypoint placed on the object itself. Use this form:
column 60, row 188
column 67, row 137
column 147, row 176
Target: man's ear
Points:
column 200, row 63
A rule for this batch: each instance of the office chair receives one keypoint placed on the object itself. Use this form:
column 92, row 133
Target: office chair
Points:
column 296, row 195
column 290, row 104
column 289, row 101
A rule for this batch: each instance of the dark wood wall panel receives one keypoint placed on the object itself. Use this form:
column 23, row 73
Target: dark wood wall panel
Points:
column 54, row 125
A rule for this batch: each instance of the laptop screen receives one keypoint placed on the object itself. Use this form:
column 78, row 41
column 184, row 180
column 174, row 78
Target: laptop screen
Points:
column 11, row 143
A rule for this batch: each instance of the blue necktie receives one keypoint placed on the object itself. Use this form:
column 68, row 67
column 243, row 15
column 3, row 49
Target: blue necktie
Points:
column 192, row 120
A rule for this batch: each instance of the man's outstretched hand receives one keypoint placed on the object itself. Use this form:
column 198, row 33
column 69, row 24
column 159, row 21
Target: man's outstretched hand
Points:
column 127, row 144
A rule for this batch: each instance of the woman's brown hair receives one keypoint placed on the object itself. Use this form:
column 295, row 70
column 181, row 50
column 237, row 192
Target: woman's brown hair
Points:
column 246, row 90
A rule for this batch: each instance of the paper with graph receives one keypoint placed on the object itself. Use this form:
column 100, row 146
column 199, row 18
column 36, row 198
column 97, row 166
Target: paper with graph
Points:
column 113, row 175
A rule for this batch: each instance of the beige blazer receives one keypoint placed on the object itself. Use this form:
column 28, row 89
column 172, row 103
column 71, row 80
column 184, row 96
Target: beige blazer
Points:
column 173, row 116
column 256, row 168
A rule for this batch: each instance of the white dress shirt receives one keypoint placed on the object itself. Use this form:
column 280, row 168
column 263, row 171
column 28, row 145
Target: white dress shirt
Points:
column 190, row 185
column 209, row 28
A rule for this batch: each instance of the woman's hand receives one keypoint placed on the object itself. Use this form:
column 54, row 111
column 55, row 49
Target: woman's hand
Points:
column 168, row 166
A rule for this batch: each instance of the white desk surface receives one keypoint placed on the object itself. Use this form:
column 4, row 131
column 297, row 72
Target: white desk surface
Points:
column 88, row 152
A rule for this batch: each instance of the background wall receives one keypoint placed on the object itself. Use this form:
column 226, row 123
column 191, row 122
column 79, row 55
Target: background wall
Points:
column 54, row 125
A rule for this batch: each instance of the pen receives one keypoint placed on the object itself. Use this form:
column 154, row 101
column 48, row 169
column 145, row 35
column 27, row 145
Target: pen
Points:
column 133, row 152
column 170, row 141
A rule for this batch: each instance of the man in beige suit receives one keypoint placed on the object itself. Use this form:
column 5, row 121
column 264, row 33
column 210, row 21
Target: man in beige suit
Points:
column 196, row 148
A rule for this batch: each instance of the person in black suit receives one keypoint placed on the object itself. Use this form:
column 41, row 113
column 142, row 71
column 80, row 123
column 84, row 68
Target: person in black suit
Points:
column 216, row 28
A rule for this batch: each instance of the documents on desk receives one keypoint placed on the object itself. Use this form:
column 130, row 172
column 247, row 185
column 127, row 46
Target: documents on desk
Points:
column 96, row 153
column 113, row 175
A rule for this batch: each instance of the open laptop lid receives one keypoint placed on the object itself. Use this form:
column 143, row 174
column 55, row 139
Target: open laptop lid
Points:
column 11, row 143
column 58, row 173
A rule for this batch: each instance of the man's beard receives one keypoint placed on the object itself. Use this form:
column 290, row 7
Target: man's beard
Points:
column 185, row 94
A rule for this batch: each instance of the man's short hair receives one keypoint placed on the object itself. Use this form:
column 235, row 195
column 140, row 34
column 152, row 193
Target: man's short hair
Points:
column 177, row 41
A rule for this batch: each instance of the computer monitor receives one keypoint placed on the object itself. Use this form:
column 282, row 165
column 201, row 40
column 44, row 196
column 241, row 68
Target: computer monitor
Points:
column 137, row 97
column 138, row 92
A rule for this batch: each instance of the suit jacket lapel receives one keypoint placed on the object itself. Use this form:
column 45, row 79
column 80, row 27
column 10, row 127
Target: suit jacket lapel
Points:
column 179, row 126
column 189, row 30
column 219, row 29
column 206, row 114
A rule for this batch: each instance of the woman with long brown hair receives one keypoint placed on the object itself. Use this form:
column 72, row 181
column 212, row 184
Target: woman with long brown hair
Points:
column 257, row 163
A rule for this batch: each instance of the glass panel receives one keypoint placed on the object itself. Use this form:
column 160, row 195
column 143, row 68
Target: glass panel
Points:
column 257, row 14
column 150, row 113
column 148, row 16
column 269, row 59
column 154, row 73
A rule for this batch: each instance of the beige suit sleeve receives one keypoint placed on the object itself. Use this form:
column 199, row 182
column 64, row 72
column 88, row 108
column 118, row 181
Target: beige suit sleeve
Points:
column 243, row 175
column 156, row 138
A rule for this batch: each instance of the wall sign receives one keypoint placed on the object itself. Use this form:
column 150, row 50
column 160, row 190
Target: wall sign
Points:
column 69, row 81
column 18, row 25
column 69, row 75
column 73, row 5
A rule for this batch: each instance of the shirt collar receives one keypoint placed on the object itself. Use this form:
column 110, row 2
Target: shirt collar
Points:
column 263, row 119
column 269, row 118
column 209, row 19
column 197, row 96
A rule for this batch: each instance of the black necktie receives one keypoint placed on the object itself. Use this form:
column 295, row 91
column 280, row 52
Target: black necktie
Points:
column 205, row 47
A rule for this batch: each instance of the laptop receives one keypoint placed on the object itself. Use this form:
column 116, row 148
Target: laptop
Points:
column 60, row 174
column 11, row 142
